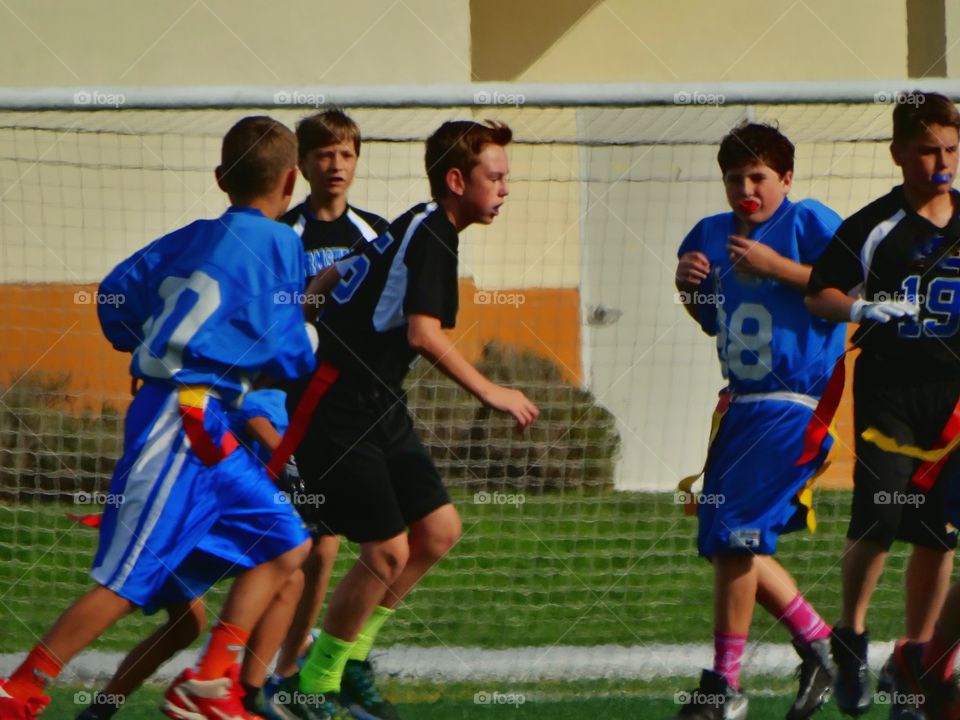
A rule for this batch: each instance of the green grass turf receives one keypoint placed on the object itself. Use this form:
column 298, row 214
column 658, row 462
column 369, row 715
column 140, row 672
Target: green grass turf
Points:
column 573, row 701
column 568, row 569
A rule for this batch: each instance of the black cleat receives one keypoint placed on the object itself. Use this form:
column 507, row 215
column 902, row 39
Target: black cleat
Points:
column 359, row 693
column 817, row 674
column 715, row 699
column 886, row 677
column 852, row 687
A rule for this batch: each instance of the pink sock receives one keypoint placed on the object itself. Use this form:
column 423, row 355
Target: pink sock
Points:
column 940, row 655
column 803, row 622
column 727, row 656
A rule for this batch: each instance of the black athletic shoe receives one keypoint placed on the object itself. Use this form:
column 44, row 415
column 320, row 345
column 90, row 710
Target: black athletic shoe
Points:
column 103, row 707
column 817, row 674
column 852, row 687
column 290, row 703
column 886, row 677
column 359, row 693
column 715, row 699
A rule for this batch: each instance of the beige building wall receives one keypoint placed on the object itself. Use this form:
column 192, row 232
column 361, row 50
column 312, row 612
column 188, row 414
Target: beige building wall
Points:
column 205, row 42
column 229, row 42
column 693, row 40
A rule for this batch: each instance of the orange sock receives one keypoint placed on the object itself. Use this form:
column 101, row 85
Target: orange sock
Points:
column 222, row 650
column 34, row 674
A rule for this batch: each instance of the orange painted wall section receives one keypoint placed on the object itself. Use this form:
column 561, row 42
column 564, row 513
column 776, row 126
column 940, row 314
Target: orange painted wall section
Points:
column 54, row 329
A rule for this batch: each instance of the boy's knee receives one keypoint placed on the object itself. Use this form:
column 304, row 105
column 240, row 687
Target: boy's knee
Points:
column 292, row 589
column 325, row 550
column 438, row 540
column 387, row 559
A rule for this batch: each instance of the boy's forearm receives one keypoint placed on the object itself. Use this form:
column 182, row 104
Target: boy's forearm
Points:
column 791, row 273
column 436, row 347
column 830, row 304
column 263, row 431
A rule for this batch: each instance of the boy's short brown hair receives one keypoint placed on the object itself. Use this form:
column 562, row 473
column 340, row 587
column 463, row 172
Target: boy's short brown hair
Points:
column 915, row 111
column 330, row 127
column 255, row 154
column 456, row 144
column 751, row 143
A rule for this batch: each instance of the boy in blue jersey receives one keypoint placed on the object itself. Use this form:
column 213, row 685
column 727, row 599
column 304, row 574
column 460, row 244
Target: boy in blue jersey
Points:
column 741, row 275
column 201, row 319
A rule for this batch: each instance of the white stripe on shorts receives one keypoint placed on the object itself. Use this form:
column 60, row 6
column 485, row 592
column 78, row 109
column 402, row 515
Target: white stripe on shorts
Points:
column 144, row 475
column 808, row 400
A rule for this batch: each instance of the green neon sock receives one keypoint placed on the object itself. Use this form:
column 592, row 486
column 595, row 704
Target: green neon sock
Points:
column 361, row 649
column 324, row 667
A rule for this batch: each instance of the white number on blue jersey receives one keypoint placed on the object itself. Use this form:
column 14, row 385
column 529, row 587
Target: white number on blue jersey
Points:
column 743, row 343
column 187, row 304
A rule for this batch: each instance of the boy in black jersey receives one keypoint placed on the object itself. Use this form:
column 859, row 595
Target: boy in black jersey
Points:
column 894, row 267
column 388, row 302
column 328, row 148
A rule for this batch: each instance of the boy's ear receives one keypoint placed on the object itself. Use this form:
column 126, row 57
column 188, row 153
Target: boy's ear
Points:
column 290, row 182
column 218, row 173
column 456, row 183
column 895, row 154
column 788, row 179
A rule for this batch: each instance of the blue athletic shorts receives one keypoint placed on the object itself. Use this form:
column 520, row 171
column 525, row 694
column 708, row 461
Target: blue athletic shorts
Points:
column 173, row 526
column 751, row 480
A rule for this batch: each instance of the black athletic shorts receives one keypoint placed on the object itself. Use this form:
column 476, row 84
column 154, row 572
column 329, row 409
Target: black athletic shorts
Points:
column 887, row 506
column 367, row 475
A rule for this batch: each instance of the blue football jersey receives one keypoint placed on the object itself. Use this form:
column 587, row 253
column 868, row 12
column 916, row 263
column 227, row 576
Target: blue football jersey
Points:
column 767, row 341
column 215, row 303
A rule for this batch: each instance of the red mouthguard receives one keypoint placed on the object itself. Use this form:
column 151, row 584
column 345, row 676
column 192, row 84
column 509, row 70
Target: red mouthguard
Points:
column 749, row 205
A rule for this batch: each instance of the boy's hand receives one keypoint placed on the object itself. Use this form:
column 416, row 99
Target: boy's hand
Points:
column 882, row 312
column 691, row 270
column 514, row 402
column 290, row 481
column 752, row 256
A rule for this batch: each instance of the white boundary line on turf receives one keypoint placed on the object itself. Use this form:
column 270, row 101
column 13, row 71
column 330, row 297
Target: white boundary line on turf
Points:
column 490, row 94
column 599, row 662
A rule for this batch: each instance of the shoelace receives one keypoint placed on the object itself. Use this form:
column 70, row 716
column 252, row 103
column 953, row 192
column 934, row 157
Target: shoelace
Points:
column 330, row 709
column 362, row 676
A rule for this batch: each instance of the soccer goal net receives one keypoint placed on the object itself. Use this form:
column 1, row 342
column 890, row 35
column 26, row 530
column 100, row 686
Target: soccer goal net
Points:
column 577, row 560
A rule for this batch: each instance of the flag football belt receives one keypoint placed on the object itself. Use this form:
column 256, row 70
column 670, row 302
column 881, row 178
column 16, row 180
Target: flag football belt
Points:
column 932, row 460
column 805, row 494
column 685, row 486
column 192, row 400
column 191, row 413
column 323, row 379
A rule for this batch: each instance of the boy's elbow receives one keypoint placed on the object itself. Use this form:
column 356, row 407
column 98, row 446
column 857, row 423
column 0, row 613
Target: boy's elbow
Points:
column 416, row 338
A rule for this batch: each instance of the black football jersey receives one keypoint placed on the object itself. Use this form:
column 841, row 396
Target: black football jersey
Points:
column 889, row 252
column 410, row 269
column 326, row 241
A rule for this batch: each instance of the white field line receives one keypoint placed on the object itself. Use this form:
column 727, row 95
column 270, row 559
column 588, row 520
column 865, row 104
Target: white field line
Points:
column 454, row 664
